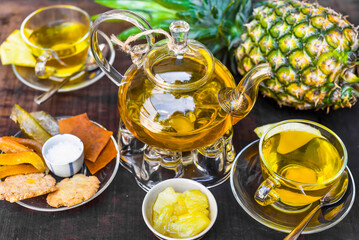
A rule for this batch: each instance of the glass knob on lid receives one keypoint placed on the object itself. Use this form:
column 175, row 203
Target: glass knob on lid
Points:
column 179, row 64
column 179, row 32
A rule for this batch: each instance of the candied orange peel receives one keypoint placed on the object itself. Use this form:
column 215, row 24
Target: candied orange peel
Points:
column 31, row 144
column 23, row 157
column 19, row 158
column 10, row 146
column 11, row 170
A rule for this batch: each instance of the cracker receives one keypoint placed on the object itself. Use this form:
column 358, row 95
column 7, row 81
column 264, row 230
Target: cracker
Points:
column 20, row 187
column 93, row 137
column 72, row 191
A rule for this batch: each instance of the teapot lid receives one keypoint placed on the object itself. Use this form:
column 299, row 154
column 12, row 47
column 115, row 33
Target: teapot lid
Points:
column 178, row 63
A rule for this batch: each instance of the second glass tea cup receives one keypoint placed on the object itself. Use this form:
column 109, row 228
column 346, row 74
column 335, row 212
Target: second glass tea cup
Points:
column 300, row 161
column 59, row 39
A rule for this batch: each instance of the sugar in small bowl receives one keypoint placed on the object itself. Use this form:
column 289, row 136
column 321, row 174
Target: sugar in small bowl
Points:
column 64, row 154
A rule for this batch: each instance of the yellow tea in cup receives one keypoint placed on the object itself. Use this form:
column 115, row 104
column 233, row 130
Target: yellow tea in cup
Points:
column 59, row 38
column 300, row 162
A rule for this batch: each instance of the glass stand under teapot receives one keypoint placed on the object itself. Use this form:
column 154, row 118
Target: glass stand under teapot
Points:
column 177, row 104
column 208, row 165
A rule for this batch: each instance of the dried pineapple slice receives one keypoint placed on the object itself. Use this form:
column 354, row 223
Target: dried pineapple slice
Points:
column 160, row 222
column 28, row 125
column 188, row 225
column 166, row 197
column 180, row 215
column 195, row 200
column 180, row 207
column 15, row 51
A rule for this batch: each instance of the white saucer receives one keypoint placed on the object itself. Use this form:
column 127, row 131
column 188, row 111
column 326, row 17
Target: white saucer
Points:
column 246, row 176
column 27, row 75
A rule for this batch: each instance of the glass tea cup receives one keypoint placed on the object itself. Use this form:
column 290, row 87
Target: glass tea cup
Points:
column 59, row 39
column 300, row 161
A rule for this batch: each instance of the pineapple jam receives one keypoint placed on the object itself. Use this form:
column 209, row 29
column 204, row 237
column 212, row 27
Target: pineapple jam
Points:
column 180, row 215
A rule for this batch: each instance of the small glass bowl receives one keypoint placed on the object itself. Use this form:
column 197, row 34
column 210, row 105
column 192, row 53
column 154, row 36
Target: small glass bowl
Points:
column 179, row 185
column 70, row 166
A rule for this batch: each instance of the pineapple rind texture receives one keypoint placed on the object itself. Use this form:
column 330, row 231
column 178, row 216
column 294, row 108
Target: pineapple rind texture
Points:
column 312, row 51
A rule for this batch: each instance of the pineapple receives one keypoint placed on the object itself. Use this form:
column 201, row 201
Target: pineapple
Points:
column 312, row 49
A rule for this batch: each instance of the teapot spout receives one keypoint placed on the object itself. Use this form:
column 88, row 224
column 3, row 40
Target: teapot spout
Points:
column 239, row 101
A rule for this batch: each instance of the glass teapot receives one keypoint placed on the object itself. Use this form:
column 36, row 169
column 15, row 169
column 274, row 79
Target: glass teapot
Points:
column 176, row 97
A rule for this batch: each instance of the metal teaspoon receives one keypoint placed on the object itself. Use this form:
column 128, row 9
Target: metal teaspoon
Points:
column 90, row 65
column 332, row 197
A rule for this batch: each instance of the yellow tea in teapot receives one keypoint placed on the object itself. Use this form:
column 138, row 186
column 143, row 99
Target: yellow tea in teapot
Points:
column 307, row 159
column 68, row 48
column 178, row 120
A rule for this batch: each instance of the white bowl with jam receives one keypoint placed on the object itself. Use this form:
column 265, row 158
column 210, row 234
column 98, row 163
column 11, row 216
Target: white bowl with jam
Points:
column 64, row 154
column 181, row 186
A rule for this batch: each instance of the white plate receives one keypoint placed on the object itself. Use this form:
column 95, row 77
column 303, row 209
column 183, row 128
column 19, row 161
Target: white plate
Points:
column 105, row 175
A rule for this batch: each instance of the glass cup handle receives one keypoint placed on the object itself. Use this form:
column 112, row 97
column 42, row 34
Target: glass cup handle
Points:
column 118, row 14
column 265, row 193
column 41, row 70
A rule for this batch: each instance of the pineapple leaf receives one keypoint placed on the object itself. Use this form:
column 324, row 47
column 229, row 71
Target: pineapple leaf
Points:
column 214, row 12
column 178, row 5
column 355, row 89
column 215, row 23
column 134, row 5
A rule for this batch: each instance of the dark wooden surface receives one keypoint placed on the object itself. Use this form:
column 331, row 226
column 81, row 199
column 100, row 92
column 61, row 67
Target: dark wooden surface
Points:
column 116, row 213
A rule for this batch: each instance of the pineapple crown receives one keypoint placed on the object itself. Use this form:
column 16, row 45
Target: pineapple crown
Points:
column 218, row 24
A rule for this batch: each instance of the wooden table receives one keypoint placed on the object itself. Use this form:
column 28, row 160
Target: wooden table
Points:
column 116, row 213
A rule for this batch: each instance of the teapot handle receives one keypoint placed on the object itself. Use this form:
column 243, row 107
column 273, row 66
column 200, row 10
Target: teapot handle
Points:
column 119, row 14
